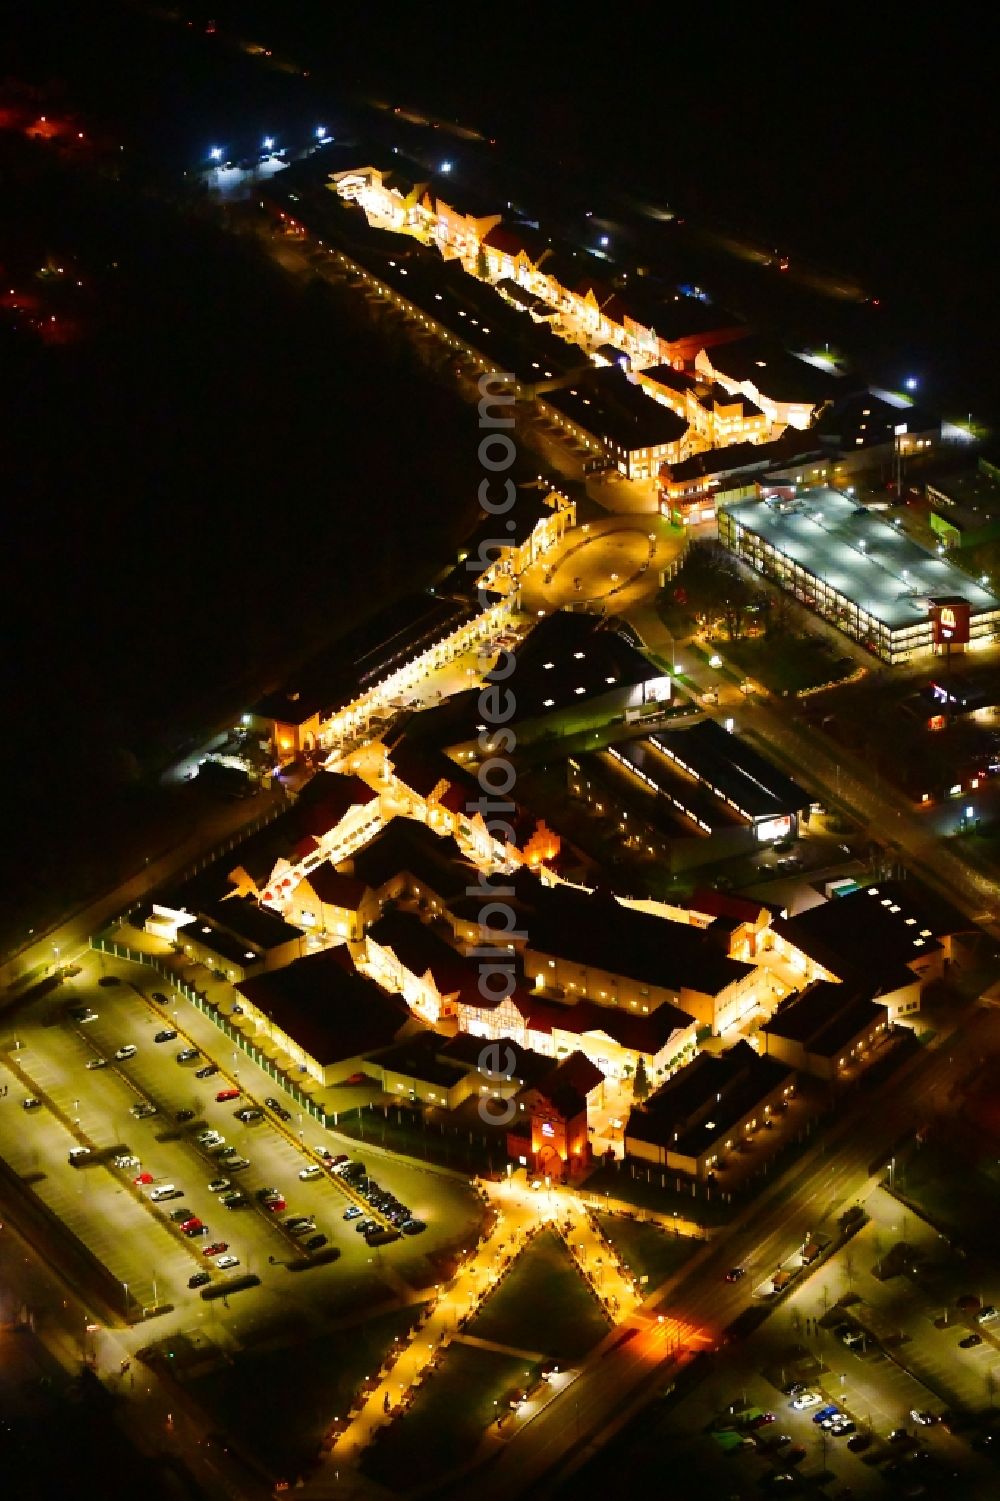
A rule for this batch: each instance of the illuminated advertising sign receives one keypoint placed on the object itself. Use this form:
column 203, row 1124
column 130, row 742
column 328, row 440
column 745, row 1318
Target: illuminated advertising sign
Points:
column 773, row 828
column 950, row 622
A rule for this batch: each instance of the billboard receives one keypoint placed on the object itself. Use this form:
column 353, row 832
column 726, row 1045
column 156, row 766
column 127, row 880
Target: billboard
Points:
column 950, row 622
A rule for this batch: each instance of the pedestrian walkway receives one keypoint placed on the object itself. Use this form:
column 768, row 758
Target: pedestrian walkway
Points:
column 616, row 1288
column 393, row 1390
column 498, row 1347
column 519, row 1215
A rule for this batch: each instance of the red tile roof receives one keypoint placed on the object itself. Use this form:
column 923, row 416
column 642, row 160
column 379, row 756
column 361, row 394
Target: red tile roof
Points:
column 335, row 889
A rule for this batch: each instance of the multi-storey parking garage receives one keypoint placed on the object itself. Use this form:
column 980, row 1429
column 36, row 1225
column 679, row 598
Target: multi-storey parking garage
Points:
column 863, row 575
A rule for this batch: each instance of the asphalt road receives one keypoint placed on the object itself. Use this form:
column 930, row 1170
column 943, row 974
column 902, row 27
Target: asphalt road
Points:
column 222, row 824
column 806, row 1199
column 840, row 780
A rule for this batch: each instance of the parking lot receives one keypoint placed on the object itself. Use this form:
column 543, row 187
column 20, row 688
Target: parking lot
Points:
column 875, row 1349
column 46, row 1053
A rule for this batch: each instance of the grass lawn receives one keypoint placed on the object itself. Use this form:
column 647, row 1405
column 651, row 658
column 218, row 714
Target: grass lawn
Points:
column 425, row 1142
column 966, row 1204
column 451, row 1411
column 277, row 1403
column 786, row 664
column 981, row 844
column 648, row 1190
column 647, row 1249
column 543, row 1304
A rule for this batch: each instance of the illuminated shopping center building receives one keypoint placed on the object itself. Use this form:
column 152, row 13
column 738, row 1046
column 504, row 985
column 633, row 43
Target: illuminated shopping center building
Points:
column 862, row 574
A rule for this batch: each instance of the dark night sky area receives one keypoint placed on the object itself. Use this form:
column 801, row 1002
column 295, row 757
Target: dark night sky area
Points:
column 184, row 488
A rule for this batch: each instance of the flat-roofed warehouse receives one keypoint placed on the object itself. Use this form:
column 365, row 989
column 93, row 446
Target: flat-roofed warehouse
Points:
column 863, row 575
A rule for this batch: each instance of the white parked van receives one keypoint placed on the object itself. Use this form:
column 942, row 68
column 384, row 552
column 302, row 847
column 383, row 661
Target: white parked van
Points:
column 162, row 1191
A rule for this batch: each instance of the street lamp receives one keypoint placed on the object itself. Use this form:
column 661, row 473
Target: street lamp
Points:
column 269, row 143
column 216, row 153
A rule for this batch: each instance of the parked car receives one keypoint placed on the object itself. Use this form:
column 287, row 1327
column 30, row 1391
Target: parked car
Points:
column 159, row 998
column 986, row 1315
column 859, row 1442
column 166, row 1035
column 186, row 1054
column 142, row 1110
column 735, row 1273
column 199, row 1279
column 299, row 1227
column 97, row 1062
column 129, row 1050
column 249, row 1113
column 307, row 1174
column 184, row 1115
column 225, row 1262
column 206, row 1071
column 804, row 1400
column 412, row 1227
column 216, row 1249
column 971, row 1341
column 82, row 1014
column 314, row 1242
column 379, row 1237
column 277, row 1108
column 78, row 1155
column 219, row 1185
column 228, row 1093
column 179, row 1216
column 31, row 1102
column 353, row 1213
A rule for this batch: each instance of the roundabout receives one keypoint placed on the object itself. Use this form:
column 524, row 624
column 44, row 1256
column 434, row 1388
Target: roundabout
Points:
column 607, row 567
